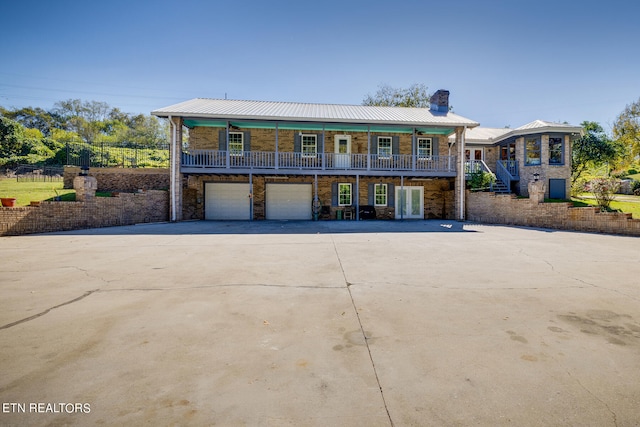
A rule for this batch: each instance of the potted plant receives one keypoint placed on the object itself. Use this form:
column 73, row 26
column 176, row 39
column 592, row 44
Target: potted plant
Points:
column 8, row 202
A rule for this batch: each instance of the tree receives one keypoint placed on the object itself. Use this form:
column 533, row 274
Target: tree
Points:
column 33, row 118
column 415, row 95
column 626, row 129
column 34, row 135
column 20, row 145
column 593, row 148
column 11, row 140
column 84, row 118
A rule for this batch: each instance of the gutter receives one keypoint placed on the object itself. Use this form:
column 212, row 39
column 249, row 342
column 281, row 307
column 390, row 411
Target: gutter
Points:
column 336, row 120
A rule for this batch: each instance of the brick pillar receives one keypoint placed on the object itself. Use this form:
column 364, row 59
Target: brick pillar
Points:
column 85, row 187
column 177, row 161
column 536, row 191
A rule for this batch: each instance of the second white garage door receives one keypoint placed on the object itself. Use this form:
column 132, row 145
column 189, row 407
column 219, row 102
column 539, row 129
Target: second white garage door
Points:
column 288, row 201
column 227, row 201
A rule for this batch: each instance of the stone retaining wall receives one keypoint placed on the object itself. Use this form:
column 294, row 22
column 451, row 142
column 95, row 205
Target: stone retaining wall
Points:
column 507, row 209
column 125, row 209
column 122, row 179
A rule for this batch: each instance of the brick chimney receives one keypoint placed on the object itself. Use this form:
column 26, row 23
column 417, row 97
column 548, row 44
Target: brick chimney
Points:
column 440, row 101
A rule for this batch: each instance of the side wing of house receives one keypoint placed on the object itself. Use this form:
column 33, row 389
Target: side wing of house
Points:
column 536, row 151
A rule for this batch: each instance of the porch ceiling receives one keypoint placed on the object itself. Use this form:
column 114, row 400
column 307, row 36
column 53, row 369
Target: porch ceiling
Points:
column 318, row 127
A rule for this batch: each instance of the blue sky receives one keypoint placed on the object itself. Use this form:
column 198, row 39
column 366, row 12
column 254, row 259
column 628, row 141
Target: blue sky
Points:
column 506, row 63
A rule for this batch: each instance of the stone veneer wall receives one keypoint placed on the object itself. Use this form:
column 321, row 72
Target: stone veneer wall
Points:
column 125, row 209
column 544, row 169
column 123, row 179
column 507, row 209
column 438, row 193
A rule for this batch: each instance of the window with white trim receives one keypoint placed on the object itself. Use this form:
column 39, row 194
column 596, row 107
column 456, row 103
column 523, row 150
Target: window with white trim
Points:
column 309, row 145
column 425, row 148
column 384, row 147
column 236, row 143
column 344, row 194
column 380, row 194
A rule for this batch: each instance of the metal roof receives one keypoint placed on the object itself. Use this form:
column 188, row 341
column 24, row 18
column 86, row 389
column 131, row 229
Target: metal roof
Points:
column 300, row 112
column 482, row 135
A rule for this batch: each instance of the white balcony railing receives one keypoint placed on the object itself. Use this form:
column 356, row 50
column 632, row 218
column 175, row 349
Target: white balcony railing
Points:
column 214, row 159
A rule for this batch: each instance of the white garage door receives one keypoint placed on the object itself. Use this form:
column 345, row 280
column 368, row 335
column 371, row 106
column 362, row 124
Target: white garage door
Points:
column 226, row 201
column 289, row 201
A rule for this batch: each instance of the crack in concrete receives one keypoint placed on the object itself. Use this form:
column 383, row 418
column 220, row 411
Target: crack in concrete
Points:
column 364, row 335
column 613, row 414
column 553, row 269
column 86, row 294
column 42, row 313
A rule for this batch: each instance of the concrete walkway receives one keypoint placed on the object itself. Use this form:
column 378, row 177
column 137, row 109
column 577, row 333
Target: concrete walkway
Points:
column 424, row 323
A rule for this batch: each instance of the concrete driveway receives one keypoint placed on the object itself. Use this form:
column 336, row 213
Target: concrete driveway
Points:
column 426, row 323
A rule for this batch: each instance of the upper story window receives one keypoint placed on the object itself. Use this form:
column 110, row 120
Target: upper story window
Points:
column 236, row 143
column 508, row 151
column 425, row 148
column 380, row 192
column 384, row 146
column 556, row 150
column 532, row 151
column 309, row 145
column 344, row 194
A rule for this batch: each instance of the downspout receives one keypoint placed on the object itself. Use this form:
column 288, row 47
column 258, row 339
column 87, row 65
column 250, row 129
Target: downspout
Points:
column 173, row 169
column 462, row 174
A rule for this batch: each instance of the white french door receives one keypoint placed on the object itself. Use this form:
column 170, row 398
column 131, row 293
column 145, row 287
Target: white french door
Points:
column 409, row 202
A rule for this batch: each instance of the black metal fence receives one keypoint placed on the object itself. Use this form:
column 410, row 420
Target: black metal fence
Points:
column 34, row 173
column 108, row 155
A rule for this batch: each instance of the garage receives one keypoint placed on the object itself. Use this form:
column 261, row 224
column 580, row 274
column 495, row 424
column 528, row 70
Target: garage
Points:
column 227, row 201
column 288, row 201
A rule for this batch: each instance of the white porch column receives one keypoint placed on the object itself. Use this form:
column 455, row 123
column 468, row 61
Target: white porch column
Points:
column 460, row 176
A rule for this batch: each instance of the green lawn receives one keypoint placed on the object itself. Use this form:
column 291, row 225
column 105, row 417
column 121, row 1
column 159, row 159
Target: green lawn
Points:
column 25, row 192
column 627, row 204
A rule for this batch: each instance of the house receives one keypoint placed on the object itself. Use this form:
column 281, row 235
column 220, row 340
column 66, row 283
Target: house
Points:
column 537, row 150
column 244, row 160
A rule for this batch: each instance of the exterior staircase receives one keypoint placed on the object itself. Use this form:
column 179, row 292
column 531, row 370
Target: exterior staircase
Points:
column 506, row 172
column 500, row 187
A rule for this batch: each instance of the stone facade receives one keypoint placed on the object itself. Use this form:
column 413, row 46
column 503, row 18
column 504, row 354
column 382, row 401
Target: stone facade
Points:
column 122, row 179
column 438, row 193
column 545, row 170
column 125, row 209
column 508, row 209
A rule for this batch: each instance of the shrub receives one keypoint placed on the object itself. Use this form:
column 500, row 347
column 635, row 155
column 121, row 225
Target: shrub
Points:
column 632, row 172
column 604, row 190
column 480, row 180
column 579, row 186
